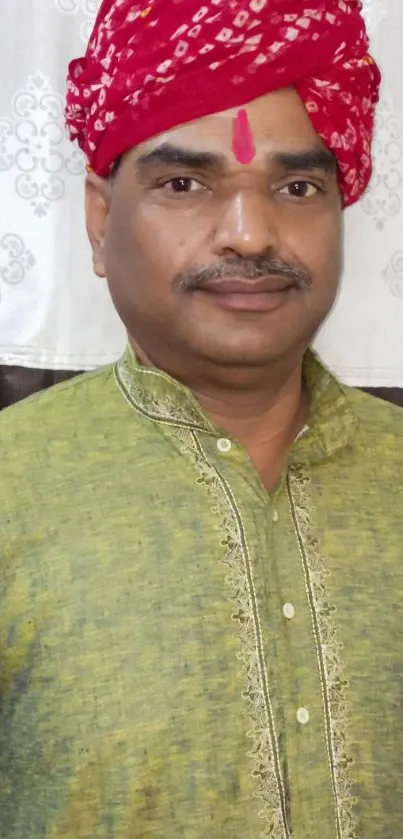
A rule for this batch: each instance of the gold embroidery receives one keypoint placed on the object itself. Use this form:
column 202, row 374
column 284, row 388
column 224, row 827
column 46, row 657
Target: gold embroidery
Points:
column 329, row 649
column 264, row 752
column 156, row 395
column 170, row 409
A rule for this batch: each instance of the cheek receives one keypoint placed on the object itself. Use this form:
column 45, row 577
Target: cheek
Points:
column 144, row 252
column 162, row 241
column 132, row 246
column 316, row 243
column 329, row 252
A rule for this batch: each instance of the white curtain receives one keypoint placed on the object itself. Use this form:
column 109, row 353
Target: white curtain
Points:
column 55, row 314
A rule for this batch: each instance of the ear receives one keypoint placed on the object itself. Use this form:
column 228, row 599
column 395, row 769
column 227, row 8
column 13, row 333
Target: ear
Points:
column 97, row 199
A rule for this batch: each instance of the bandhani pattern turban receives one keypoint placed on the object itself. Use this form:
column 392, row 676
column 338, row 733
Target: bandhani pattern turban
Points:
column 153, row 65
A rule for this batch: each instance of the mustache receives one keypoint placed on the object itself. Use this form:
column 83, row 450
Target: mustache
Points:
column 257, row 268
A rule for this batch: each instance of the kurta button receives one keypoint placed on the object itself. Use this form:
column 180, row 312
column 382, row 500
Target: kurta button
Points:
column 224, row 445
column 302, row 716
column 288, row 610
column 275, row 515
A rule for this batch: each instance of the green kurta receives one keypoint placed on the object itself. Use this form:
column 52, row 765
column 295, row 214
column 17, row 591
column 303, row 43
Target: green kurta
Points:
column 181, row 653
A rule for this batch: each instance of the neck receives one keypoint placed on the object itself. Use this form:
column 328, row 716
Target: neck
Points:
column 257, row 417
column 265, row 421
column 264, row 410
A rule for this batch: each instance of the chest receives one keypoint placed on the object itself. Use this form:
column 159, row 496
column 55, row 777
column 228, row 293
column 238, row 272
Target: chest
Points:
column 220, row 646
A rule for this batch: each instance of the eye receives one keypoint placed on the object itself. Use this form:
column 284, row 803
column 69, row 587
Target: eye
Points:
column 300, row 189
column 183, row 185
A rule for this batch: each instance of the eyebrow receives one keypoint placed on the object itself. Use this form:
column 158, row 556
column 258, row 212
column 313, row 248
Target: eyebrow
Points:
column 309, row 160
column 168, row 154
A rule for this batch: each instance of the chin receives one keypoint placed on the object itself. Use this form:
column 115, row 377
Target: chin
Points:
column 253, row 348
column 247, row 357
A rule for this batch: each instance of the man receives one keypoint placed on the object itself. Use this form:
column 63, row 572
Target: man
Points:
column 201, row 573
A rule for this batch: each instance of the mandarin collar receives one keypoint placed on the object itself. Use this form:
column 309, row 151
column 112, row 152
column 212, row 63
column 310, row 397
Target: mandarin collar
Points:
column 331, row 423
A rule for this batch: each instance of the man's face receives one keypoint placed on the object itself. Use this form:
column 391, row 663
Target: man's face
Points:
column 211, row 259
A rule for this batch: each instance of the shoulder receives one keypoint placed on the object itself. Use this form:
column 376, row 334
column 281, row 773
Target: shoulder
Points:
column 375, row 414
column 68, row 409
column 380, row 425
column 61, row 394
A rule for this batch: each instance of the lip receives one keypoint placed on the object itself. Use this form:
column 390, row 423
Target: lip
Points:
column 265, row 295
column 237, row 285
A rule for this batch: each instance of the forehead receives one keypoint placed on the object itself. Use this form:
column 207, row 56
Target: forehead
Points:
column 279, row 122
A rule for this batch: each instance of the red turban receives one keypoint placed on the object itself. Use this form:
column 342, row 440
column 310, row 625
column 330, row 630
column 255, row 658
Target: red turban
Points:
column 153, row 65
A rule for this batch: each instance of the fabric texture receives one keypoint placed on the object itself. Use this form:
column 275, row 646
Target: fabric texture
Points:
column 152, row 65
column 17, row 383
column 182, row 654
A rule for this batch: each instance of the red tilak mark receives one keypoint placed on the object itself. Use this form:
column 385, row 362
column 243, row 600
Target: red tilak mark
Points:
column 243, row 143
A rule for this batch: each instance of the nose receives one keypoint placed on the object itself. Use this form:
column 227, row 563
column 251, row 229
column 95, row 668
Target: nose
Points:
column 248, row 225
